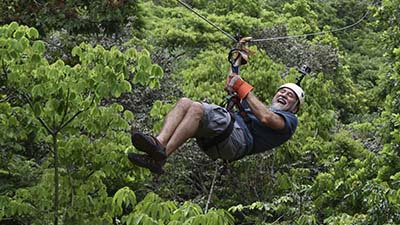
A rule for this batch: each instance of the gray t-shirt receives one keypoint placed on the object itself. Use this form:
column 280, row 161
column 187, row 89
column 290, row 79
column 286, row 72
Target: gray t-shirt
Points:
column 262, row 137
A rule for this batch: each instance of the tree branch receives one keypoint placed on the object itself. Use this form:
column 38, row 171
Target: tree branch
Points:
column 69, row 120
column 74, row 116
column 56, row 178
column 66, row 108
column 44, row 124
column 72, row 195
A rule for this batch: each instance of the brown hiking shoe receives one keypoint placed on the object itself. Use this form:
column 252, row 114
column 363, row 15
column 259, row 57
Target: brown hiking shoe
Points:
column 149, row 144
column 147, row 162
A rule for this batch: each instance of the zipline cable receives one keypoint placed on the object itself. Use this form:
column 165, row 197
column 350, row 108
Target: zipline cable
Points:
column 274, row 38
column 312, row 34
column 209, row 22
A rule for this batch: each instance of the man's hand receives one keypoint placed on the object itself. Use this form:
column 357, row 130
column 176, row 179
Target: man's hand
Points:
column 231, row 74
column 235, row 83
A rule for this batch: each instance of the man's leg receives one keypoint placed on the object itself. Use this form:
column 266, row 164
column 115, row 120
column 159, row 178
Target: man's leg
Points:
column 186, row 128
column 180, row 124
column 173, row 119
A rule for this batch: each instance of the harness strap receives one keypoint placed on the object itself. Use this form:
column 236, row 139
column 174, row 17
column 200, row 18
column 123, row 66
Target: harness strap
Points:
column 221, row 137
column 234, row 100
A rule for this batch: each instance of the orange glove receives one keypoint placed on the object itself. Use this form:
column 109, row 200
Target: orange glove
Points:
column 241, row 87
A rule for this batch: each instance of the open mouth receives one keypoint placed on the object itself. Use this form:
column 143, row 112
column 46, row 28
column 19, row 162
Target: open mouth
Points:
column 282, row 101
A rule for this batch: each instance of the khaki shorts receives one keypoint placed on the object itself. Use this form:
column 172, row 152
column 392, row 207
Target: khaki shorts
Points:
column 215, row 120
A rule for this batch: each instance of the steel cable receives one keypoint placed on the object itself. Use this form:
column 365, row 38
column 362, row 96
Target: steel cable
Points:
column 312, row 34
column 273, row 38
column 208, row 21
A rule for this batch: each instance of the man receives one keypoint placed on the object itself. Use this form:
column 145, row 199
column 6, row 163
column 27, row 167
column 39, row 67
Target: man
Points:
column 219, row 134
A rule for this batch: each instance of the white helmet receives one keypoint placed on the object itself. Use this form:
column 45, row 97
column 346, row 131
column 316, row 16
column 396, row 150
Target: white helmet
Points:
column 296, row 89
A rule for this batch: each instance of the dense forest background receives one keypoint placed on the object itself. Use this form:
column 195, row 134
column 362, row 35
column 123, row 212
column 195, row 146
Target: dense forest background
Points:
column 77, row 76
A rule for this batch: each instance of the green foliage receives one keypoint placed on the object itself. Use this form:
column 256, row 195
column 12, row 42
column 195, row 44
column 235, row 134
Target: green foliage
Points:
column 346, row 219
column 59, row 106
column 148, row 74
column 124, row 197
column 300, row 17
column 269, row 210
column 153, row 210
column 173, row 27
column 386, row 14
column 61, row 117
column 212, row 217
column 323, row 169
column 223, row 7
column 74, row 16
column 349, row 182
column 247, row 7
column 205, row 76
column 158, row 112
column 187, row 210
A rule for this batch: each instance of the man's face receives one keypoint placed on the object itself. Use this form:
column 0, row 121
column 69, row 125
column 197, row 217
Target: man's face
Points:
column 285, row 99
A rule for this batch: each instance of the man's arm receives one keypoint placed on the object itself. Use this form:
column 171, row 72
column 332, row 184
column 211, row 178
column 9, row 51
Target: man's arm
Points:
column 263, row 114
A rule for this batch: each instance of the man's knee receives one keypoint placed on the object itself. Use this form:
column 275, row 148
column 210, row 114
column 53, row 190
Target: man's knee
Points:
column 191, row 107
column 184, row 103
column 196, row 110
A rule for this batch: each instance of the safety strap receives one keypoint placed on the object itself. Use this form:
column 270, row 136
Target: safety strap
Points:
column 231, row 102
column 238, row 56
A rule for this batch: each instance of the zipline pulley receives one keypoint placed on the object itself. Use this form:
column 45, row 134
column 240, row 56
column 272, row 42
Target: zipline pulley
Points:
column 239, row 55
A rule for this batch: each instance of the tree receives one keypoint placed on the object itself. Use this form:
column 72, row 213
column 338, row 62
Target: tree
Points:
column 60, row 106
column 74, row 16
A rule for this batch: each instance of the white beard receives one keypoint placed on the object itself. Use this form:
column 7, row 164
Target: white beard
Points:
column 278, row 106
